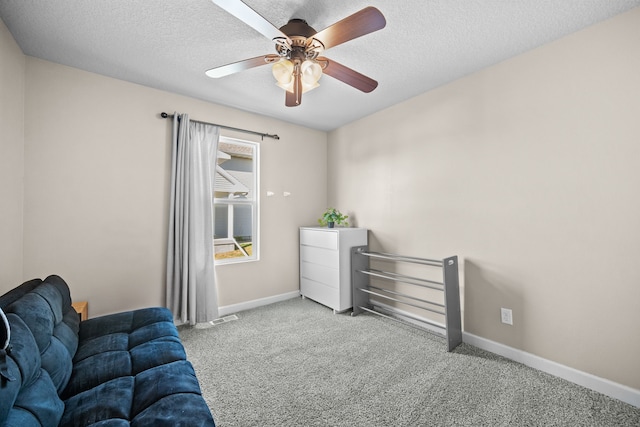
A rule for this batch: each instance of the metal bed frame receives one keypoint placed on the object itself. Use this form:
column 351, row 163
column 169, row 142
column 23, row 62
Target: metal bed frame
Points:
column 363, row 290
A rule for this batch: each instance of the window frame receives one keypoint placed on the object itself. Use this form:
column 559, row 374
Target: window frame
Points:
column 255, row 203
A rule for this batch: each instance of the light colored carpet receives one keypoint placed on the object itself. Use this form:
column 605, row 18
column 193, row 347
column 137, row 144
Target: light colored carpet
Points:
column 295, row 363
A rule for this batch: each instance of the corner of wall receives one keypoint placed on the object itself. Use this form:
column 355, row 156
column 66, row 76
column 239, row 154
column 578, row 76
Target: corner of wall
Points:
column 12, row 103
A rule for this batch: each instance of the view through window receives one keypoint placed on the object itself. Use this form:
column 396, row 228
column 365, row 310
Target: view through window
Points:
column 236, row 201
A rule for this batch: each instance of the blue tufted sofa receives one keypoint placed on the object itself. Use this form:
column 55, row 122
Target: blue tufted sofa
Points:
column 125, row 369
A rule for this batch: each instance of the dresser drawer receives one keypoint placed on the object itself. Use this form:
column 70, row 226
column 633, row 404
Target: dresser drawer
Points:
column 326, row 257
column 320, row 273
column 320, row 293
column 320, row 239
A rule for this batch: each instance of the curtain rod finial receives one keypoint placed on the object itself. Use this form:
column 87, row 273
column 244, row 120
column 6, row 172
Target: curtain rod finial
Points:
column 164, row 115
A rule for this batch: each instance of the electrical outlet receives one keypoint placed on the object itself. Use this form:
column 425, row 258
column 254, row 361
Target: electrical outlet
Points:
column 506, row 315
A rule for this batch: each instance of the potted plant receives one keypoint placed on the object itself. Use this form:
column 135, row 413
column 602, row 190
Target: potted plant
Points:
column 332, row 217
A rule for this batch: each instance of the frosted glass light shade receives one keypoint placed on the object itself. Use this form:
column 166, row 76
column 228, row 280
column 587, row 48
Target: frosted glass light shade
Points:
column 311, row 73
column 283, row 72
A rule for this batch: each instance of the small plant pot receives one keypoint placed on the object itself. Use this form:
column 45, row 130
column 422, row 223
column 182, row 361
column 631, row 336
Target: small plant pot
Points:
column 331, row 224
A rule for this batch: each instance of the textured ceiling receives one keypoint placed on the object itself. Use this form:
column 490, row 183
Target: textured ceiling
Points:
column 168, row 45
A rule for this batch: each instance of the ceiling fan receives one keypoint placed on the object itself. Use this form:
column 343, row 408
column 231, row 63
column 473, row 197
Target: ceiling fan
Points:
column 297, row 65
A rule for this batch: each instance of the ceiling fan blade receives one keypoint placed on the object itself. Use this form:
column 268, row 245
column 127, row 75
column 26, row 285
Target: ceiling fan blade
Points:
column 252, row 18
column 236, row 67
column 359, row 24
column 347, row 75
column 293, row 99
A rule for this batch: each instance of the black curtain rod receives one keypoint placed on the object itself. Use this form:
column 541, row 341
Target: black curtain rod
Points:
column 263, row 135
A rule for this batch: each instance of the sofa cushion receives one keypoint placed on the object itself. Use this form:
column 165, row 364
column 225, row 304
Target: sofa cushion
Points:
column 156, row 352
column 9, row 371
column 141, row 350
column 97, row 369
column 18, row 292
column 37, row 404
column 118, row 341
column 123, row 344
column 162, row 381
column 176, row 410
column 9, row 389
column 31, row 398
column 111, row 399
column 43, row 311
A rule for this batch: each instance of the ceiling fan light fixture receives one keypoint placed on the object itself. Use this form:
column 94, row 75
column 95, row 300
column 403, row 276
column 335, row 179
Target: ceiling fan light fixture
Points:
column 311, row 73
column 283, row 72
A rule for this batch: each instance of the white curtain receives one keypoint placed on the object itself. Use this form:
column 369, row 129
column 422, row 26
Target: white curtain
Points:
column 192, row 294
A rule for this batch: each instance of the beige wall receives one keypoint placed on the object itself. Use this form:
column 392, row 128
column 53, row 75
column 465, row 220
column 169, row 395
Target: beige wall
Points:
column 96, row 189
column 12, row 66
column 529, row 171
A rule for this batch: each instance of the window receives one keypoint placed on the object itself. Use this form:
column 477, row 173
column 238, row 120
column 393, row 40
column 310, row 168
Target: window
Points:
column 236, row 201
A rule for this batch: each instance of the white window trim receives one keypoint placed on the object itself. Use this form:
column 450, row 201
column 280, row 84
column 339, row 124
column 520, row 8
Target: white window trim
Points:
column 256, row 218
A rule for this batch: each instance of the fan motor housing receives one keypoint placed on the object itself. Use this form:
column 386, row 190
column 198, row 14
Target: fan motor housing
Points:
column 302, row 44
column 298, row 27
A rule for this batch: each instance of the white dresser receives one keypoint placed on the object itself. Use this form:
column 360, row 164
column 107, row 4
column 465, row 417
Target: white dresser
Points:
column 325, row 264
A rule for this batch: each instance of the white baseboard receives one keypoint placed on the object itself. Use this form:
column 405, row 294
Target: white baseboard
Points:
column 617, row 391
column 235, row 308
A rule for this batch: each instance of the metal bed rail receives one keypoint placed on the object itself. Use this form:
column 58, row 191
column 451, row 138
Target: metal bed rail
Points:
column 363, row 291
